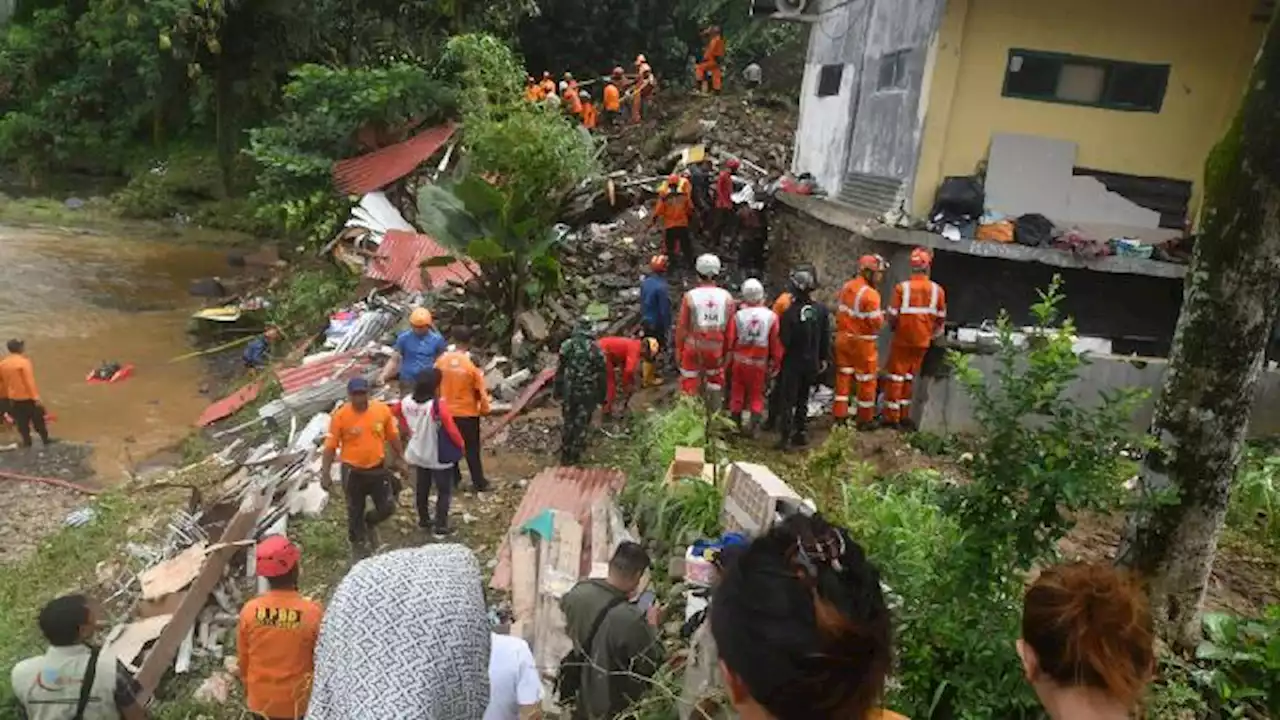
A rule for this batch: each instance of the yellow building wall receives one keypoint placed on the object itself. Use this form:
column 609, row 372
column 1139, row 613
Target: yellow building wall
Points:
column 1209, row 44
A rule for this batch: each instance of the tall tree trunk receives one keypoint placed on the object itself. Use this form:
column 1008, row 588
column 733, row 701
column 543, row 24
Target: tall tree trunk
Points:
column 1230, row 304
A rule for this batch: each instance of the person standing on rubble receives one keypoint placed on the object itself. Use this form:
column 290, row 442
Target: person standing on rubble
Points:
column 702, row 332
column 723, row 219
column 858, row 322
column 624, row 354
column 426, row 416
column 569, row 93
column 674, row 208
column 806, row 344
column 613, row 98
column 700, row 189
column 711, row 58
column 917, row 314
column 359, row 433
column 18, row 388
column 532, row 90
column 655, row 313
column 617, row 637
column 276, row 636
column 73, row 677
column 757, row 354
column 415, row 350
column 462, row 387
column 588, row 110
column 642, row 90
column 780, row 305
column 548, row 85
column 580, row 386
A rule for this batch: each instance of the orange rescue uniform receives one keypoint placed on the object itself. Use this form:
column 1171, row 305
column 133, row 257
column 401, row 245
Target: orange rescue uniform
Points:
column 572, row 102
column 620, row 354
column 781, row 303
column 918, row 311
column 757, row 354
column 612, row 98
column 589, row 115
column 276, row 642
column 533, row 93
column 17, row 378
column 548, row 87
column 858, row 322
column 361, row 437
column 462, row 385
column 702, row 337
column 711, row 62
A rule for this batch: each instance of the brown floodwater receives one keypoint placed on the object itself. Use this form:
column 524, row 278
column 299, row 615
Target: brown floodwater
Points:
column 81, row 299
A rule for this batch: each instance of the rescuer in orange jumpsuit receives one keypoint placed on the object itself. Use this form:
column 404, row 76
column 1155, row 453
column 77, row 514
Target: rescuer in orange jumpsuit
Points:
column 702, row 332
column 532, row 90
column 858, row 322
column 917, row 314
column 674, row 209
column 624, row 354
column 613, row 97
column 588, row 110
column 572, row 102
column 548, row 85
column 711, row 58
column 642, row 92
column 757, row 353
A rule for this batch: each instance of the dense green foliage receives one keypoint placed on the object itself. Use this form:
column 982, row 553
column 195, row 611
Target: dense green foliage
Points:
column 1255, row 500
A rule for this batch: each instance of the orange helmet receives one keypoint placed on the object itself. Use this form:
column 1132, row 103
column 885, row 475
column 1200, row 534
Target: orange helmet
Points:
column 658, row 263
column 874, row 263
column 420, row 318
column 921, row 259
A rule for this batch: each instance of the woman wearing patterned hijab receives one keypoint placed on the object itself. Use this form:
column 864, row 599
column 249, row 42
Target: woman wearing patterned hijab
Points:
column 406, row 635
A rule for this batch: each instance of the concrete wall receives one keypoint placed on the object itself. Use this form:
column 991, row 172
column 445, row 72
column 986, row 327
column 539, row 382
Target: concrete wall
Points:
column 1210, row 44
column 826, row 123
column 888, row 123
column 943, row 406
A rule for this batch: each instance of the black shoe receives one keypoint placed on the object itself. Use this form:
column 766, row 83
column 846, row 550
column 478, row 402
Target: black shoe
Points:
column 49, row 441
column 868, row 426
column 907, row 425
column 800, row 440
column 442, row 533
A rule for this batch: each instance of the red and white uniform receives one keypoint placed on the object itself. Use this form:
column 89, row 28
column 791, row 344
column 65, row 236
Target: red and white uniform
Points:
column 702, row 337
column 756, row 354
column 918, row 310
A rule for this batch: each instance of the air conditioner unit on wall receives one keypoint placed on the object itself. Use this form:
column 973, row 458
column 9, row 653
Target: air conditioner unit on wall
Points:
column 805, row 11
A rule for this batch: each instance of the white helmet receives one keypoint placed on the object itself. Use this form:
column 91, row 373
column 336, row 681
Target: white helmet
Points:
column 752, row 291
column 707, row 265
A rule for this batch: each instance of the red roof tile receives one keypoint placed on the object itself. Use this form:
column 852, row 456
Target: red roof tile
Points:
column 400, row 258
column 343, row 365
column 360, row 175
column 572, row 490
column 229, row 405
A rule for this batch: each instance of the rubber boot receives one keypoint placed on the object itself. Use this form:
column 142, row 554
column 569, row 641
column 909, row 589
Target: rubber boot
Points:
column 651, row 377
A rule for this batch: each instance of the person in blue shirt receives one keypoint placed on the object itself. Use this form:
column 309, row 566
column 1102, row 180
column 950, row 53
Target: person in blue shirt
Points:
column 416, row 349
column 655, row 312
column 258, row 352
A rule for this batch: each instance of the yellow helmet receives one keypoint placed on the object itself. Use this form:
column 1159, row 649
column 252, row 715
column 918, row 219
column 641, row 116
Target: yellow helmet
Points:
column 651, row 347
column 420, row 318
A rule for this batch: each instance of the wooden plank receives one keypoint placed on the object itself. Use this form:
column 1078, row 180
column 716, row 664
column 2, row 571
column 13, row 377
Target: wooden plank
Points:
column 524, row 584
column 166, row 647
column 561, row 563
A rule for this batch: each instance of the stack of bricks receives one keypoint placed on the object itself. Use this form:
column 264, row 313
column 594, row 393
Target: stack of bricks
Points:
column 751, row 495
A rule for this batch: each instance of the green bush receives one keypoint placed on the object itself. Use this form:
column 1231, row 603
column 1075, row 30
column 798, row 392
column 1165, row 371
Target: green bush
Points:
column 1255, row 499
column 310, row 295
column 1243, row 660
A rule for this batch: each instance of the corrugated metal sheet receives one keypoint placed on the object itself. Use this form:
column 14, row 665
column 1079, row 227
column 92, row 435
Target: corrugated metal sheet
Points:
column 341, row 366
column 360, row 175
column 229, row 405
column 571, row 490
column 400, row 258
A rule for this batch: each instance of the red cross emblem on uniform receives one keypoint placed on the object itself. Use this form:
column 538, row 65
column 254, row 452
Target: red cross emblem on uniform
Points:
column 711, row 303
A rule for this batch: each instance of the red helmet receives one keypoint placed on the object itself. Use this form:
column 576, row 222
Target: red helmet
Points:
column 733, row 164
column 874, row 263
column 921, row 259
column 673, row 180
column 276, row 556
column 658, row 263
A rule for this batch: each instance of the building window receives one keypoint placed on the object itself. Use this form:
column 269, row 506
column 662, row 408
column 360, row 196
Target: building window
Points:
column 829, row 80
column 1111, row 84
column 893, row 70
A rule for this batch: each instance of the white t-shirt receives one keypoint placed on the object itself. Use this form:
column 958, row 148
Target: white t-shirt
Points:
column 513, row 678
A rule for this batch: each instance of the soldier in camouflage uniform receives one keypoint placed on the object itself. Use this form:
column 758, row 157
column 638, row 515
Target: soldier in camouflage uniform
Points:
column 580, row 385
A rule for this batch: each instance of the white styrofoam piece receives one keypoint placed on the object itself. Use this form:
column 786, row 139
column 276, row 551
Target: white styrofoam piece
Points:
column 311, row 433
column 375, row 212
column 1089, row 200
column 1029, row 174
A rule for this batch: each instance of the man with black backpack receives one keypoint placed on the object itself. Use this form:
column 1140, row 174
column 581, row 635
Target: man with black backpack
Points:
column 615, row 640
column 73, row 680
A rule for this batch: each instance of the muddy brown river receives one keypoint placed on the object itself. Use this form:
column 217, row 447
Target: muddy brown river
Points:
column 81, row 299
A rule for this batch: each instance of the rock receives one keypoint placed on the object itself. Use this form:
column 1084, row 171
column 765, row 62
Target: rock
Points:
column 215, row 690
column 207, row 287
column 535, row 327
column 597, row 311
column 688, row 131
column 73, row 203
column 494, row 378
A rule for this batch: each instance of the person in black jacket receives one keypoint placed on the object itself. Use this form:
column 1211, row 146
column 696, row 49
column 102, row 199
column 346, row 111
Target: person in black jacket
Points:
column 805, row 333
